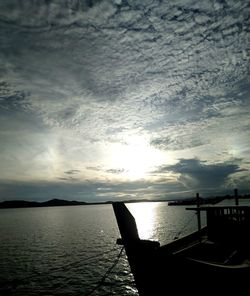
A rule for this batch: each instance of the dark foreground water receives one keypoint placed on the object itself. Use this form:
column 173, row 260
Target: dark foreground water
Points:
column 68, row 250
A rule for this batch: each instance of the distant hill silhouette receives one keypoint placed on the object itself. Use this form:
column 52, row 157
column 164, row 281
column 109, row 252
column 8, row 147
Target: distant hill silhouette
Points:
column 18, row 204
column 61, row 202
column 50, row 203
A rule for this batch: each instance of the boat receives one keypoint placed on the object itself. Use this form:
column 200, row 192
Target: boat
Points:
column 213, row 259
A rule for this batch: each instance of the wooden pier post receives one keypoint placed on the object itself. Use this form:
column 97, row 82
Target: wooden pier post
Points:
column 198, row 211
column 236, row 196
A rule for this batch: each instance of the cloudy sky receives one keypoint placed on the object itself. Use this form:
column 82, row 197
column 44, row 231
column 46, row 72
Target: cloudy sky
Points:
column 123, row 99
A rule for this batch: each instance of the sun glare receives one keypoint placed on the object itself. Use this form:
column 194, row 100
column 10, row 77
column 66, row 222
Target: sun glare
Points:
column 136, row 158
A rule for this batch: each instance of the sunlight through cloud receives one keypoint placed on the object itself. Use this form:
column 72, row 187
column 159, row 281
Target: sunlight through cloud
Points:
column 136, row 157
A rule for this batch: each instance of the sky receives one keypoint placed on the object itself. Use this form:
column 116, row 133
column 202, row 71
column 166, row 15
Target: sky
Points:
column 124, row 99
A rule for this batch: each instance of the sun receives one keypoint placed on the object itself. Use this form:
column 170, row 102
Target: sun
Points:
column 136, row 158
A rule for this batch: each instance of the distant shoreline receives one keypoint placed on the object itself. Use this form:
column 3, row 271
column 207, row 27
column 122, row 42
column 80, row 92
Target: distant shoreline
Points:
column 61, row 202
column 34, row 204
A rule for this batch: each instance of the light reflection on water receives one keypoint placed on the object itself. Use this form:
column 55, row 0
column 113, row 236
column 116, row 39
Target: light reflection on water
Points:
column 158, row 221
column 146, row 215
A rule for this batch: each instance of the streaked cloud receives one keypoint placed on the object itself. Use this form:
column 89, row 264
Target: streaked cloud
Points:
column 72, row 172
column 80, row 79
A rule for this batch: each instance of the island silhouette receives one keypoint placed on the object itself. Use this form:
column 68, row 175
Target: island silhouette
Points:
column 62, row 202
column 50, row 203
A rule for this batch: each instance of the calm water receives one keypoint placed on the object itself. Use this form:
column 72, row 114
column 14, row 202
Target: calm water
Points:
column 67, row 250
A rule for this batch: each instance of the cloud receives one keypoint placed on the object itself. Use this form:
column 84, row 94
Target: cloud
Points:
column 88, row 190
column 94, row 168
column 70, row 175
column 126, row 41
column 42, row 190
column 72, row 172
column 78, row 76
column 182, row 137
column 115, row 171
column 193, row 173
column 11, row 99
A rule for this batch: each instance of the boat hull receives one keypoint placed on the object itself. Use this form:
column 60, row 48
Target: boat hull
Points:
column 186, row 264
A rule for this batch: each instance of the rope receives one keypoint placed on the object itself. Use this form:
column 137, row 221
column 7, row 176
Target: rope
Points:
column 98, row 285
column 72, row 264
column 86, row 260
column 101, row 254
column 102, row 280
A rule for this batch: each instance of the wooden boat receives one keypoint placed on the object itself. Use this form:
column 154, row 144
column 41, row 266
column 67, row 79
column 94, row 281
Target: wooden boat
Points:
column 215, row 258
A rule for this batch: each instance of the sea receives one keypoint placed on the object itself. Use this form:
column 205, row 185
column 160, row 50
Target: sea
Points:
column 72, row 250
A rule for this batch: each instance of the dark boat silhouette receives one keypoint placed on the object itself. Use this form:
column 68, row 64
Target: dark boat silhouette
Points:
column 214, row 259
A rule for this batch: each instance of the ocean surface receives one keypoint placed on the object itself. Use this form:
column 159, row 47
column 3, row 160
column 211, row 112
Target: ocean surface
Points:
column 72, row 250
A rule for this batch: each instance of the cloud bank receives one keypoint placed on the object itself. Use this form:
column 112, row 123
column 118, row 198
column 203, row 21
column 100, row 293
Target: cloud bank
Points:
column 78, row 78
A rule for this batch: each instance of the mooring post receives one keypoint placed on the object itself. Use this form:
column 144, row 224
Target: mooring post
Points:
column 236, row 196
column 198, row 212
